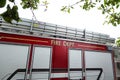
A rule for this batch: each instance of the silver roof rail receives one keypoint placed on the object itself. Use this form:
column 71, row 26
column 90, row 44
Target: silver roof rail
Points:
column 30, row 27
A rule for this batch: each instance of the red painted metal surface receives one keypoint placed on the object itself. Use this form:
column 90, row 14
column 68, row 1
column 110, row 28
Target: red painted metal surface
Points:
column 59, row 48
column 83, row 64
column 30, row 59
column 58, row 53
column 23, row 39
column 49, row 42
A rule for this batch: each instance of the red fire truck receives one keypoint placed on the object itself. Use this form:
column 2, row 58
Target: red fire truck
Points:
column 32, row 50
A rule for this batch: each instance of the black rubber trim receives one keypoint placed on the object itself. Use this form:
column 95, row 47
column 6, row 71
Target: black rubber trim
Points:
column 23, row 70
column 57, row 70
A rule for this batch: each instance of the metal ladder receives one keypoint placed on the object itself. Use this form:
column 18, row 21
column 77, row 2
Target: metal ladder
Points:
column 43, row 29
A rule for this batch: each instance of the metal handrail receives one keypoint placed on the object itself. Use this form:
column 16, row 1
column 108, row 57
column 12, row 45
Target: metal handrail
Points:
column 53, row 30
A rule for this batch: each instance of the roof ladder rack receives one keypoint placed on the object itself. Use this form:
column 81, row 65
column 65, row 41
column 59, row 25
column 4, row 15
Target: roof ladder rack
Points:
column 30, row 27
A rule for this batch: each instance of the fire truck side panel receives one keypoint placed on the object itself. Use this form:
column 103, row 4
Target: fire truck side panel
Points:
column 12, row 58
column 99, row 60
column 53, row 59
column 60, row 57
column 75, row 64
column 42, row 60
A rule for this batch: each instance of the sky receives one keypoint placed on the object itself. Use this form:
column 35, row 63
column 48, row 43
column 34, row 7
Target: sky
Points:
column 90, row 20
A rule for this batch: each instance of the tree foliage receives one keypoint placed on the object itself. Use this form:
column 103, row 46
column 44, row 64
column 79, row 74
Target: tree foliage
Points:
column 110, row 8
column 11, row 13
column 118, row 42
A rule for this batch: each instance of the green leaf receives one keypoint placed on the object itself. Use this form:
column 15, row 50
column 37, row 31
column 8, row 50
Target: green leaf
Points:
column 102, row 6
column 37, row 1
column 103, row 12
column 15, row 8
column 2, row 3
column 72, row 7
column 86, row 0
column 15, row 14
column 117, row 6
column 63, row 8
column 118, row 42
column 105, row 1
column 11, row 0
column 8, row 7
column 114, row 24
column 31, row 4
column 11, row 14
column 6, row 17
column 98, row 0
column 68, row 10
column 99, row 8
column 7, row 14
